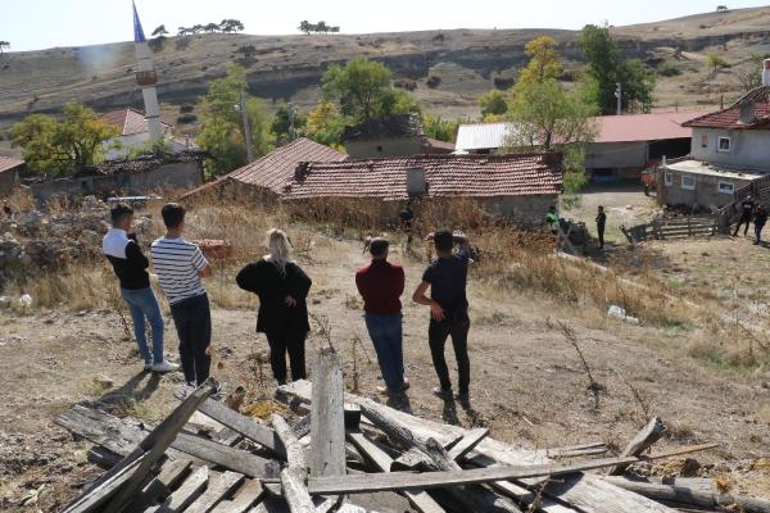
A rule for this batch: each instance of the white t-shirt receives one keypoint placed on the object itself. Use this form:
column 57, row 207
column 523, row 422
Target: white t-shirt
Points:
column 177, row 263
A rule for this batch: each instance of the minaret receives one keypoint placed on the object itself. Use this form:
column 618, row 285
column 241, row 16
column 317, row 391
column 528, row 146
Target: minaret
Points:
column 146, row 77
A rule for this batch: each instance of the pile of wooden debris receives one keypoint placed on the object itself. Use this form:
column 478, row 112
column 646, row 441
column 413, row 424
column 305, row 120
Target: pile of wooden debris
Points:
column 348, row 448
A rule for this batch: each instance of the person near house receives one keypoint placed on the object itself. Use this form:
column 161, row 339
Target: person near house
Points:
column 121, row 247
column 180, row 266
column 447, row 277
column 406, row 217
column 381, row 284
column 601, row 223
column 552, row 220
column 282, row 287
column 747, row 207
column 760, row 220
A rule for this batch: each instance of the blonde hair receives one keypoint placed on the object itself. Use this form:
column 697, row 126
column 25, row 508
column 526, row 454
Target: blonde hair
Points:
column 280, row 248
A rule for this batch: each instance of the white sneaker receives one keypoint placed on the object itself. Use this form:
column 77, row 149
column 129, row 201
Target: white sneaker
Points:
column 147, row 366
column 164, row 366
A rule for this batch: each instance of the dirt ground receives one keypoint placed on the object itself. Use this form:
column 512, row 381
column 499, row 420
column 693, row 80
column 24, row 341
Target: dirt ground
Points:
column 528, row 384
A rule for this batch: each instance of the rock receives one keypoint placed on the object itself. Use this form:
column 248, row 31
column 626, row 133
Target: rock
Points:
column 104, row 382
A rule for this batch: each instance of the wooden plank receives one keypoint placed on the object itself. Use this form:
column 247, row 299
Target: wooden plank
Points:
column 531, row 499
column 171, row 474
column 98, row 495
column 494, row 452
column 419, row 499
column 216, row 492
column 327, row 418
column 690, row 496
column 468, row 443
column 293, row 477
column 187, row 493
column 244, row 425
column 643, row 440
column 249, row 494
column 364, row 483
column 233, row 459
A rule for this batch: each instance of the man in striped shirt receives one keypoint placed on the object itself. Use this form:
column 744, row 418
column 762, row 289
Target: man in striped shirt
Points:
column 180, row 265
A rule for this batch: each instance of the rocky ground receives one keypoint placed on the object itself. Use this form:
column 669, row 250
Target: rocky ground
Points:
column 528, row 383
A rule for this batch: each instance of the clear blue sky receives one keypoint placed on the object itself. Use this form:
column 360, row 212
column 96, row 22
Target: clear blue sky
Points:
column 36, row 24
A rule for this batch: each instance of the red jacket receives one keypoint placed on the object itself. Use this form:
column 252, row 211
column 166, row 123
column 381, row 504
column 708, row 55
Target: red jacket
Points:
column 381, row 285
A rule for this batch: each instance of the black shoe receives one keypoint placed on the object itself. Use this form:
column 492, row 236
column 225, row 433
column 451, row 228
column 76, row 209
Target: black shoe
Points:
column 464, row 398
column 443, row 393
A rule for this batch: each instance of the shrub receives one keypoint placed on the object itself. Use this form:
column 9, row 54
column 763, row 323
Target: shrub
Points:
column 405, row 83
column 186, row 119
column 433, row 81
column 503, row 83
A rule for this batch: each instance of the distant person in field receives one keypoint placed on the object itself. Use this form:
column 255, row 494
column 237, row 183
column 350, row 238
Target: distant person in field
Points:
column 180, row 266
column 121, row 247
column 381, row 284
column 446, row 278
column 282, row 287
column 601, row 223
column 406, row 217
column 747, row 207
column 760, row 220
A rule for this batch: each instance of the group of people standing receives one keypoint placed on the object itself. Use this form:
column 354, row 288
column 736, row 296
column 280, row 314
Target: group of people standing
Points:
column 283, row 287
column 752, row 212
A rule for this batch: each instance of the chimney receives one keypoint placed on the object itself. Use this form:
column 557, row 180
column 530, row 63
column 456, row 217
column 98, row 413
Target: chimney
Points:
column 766, row 73
column 748, row 116
column 415, row 182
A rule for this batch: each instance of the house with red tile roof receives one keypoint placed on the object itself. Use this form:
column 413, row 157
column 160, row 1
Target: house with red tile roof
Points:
column 268, row 176
column 135, row 134
column 730, row 154
column 9, row 173
column 520, row 187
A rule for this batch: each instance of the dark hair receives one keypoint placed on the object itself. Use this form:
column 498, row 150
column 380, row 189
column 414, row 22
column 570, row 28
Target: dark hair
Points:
column 120, row 212
column 601, row 207
column 444, row 240
column 378, row 246
column 173, row 215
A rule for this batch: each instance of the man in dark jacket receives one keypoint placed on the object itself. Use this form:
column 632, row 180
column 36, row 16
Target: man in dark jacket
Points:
column 381, row 285
column 760, row 220
column 601, row 223
column 747, row 207
column 121, row 248
column 447, row 277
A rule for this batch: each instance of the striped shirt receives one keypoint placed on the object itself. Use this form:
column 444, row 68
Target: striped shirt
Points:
column 177, row 263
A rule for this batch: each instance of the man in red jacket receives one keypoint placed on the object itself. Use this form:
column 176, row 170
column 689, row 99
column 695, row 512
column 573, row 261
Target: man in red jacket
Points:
column 381, row 285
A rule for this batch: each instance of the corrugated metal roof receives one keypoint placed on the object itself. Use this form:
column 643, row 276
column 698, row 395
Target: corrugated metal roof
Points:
column 483, row 136
column 644, row 127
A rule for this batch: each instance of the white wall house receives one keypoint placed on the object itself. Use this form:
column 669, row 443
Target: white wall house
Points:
column 134, row 134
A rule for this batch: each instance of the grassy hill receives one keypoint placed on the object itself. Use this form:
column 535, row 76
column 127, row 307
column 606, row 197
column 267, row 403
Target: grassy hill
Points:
column 461, row 64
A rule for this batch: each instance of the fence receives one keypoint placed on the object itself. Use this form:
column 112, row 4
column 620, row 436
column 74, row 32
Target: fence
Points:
column 759, row 188
column 673, row 228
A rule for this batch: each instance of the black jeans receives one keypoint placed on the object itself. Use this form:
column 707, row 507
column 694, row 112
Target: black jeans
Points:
column 438, row 332
column 744, row 219
column 192, row 318
column 281, row 341
column 600, row 229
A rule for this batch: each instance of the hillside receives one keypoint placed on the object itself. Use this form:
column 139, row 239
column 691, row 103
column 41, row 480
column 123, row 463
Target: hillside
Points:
column 466, row 62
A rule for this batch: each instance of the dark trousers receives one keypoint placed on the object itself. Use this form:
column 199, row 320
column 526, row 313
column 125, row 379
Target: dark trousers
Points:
column 192, row 318
column 600, row 229
column 438, row 332
column 758, row 232
column 744, row 219
column 287, row 340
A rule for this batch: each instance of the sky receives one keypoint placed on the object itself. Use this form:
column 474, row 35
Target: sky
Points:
column 38, row 24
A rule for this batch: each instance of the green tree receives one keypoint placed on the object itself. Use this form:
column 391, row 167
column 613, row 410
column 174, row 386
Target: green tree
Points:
column 607, row 66
column 493, row 104
column 229, row 26
column 222, row 132
column 715, row 62
column 211, row 28
column 65, row 145
column 287, row 124
column 437, row 128
column 306, row 27
column 4, row 45
column 160, row 31
column 325, row 124
column 363, row 90
column 749, row 73
column 544, row 61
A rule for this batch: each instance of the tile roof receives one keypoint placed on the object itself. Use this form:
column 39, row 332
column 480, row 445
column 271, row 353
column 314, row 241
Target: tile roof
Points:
column 142, row 164
column 729, row 118
column 480, row 176
column 8, row 163
column 393, row 127
column 130, row 121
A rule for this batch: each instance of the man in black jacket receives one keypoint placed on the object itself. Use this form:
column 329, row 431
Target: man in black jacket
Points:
column 121, row 248
column 747, row 207
column 760, row 220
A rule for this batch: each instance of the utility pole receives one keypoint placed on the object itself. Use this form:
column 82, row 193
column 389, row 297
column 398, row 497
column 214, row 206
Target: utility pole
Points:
column 619, row 96
column 246, row 128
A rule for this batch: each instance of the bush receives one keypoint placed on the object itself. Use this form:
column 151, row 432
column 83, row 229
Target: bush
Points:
column 666, row 69
column 186, row 119
column 405, row 83
column 186, row 108
column 433, row 81
column 503, row 83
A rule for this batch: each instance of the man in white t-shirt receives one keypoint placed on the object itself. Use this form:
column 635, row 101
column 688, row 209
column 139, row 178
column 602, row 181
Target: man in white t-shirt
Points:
column 180, row 265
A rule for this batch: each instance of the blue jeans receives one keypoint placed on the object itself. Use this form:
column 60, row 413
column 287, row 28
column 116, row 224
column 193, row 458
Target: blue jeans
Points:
column 142, row 304
column 386, row 334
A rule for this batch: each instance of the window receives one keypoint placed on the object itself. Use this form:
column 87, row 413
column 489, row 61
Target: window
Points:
column 688, row 182
column 668, row 179
column 704, row 141
column 724, row 145
column 726, row 188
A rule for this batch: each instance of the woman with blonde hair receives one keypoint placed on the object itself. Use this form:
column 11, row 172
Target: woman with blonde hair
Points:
column 282, row 287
